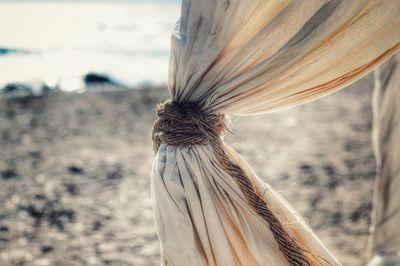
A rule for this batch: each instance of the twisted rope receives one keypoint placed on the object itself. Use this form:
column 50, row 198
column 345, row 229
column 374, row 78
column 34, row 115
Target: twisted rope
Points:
column 185, row 124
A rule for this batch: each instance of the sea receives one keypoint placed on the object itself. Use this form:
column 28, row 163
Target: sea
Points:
column 57, row 42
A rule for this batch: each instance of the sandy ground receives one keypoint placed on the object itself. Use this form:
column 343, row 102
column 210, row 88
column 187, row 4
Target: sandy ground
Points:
column 75, row 172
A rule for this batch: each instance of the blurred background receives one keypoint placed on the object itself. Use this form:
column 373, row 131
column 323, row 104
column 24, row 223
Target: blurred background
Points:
column 79, row 81
column 57, row 42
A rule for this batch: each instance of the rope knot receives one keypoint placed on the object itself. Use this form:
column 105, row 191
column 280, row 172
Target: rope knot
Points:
column 185, row 124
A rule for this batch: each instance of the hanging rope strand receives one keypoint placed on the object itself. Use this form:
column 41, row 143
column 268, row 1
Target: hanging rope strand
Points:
column 185, row 124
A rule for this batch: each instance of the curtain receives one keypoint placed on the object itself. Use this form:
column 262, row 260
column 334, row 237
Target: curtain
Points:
column 237, row 57
column 385, row 232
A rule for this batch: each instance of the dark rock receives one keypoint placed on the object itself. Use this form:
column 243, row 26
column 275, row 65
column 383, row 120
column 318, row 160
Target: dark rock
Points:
column 9, row 174
column 51, row 212
column 45, row 89
column 59, row 217
column 4, row 228
column 333, row 183
column 306, row 168
column 26, row 89
column 362, row 212
column 17, row 87
column 47, row 248
column 76, row 170
column 307, row 174
column 7, row 51
column 4, row 51
column 40, row 196
column 97, row 78
column 33, row 212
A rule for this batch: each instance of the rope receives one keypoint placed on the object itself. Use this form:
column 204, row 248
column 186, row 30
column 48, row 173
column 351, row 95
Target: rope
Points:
column 185, row 124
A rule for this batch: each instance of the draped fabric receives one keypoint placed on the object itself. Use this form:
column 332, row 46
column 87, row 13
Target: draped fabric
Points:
column 238, row 57
column 385, row 237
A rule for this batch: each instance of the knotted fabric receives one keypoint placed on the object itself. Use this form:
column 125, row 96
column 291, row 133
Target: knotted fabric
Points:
column 185, row 124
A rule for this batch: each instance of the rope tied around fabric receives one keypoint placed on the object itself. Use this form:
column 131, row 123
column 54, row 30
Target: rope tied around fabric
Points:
column 185, row 124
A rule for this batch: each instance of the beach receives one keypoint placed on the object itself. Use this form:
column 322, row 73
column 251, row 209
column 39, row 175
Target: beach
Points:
column 75, row 172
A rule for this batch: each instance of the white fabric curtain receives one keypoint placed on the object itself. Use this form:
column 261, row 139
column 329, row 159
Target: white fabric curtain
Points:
column 239, row 57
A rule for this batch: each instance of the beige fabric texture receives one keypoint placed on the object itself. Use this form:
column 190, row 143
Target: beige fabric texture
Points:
column 385, row 230
column 238, row 57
